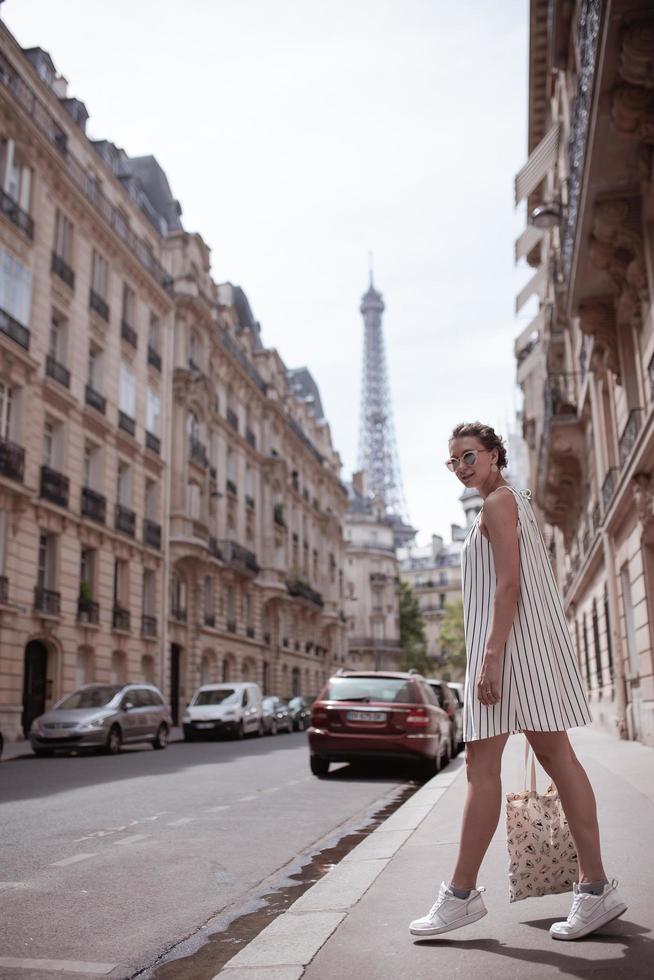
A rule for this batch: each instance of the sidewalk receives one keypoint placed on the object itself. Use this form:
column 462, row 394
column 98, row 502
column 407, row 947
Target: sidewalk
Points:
column 354, row 921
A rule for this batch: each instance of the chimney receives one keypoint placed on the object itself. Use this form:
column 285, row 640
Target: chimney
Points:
column 359, row 482
column 436, row 545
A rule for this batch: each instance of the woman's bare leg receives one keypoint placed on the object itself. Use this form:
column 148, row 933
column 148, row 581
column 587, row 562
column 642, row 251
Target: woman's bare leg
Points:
column 482, row 807
column 556, row 756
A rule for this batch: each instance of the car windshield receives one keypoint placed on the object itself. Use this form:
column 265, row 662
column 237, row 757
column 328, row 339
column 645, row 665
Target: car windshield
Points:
column 268, row 703
column 90, row 697
column 224, row 695
column 369, row 689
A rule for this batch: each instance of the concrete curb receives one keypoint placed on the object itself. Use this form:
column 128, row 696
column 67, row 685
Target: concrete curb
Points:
column 285, row 947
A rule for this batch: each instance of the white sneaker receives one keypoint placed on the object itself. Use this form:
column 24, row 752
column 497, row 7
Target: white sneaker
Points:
column 449, row 912
column 589, row 912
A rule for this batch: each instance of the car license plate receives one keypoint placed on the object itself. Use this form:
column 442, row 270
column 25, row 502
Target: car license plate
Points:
column 366, row 716
column 204, row 724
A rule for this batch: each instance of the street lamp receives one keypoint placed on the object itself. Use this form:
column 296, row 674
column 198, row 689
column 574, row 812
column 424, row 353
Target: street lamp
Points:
column 547, row 215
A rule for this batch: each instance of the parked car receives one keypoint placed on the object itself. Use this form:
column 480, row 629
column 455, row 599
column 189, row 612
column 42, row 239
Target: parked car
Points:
column 103, row 716
column 276, row 715
column 2, row 744
column 224, row 709
column 457, row 690
column 450, row 704
column 378, row 715
column 300, row 713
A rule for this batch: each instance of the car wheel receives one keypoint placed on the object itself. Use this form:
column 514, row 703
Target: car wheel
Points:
column 239, row 731
column 160, row 740
column 114, row 741
column 319, row 766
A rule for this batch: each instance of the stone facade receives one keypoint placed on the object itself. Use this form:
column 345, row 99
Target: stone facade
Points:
column 170, row 503
column 586, row 361
column 371, row 596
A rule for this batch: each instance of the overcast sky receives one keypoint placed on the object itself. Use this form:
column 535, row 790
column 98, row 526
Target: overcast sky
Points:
column 300, row 134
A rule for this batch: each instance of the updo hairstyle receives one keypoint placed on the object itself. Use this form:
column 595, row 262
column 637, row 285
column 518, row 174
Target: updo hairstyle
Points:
column 487, row 436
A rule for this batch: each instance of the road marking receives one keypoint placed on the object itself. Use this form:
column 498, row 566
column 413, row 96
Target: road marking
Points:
column 58, row 966
column 270, row 789
column 71, row 860
column 131, row 839
column 216, row 809
column 182, row 820
column 246, row 799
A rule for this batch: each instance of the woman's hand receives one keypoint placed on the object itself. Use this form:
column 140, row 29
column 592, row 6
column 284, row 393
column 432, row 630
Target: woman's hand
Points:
column 488, row 682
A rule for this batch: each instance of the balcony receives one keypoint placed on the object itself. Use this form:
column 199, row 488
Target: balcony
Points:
column 596, row 517
column 98, row 305
column 88, row 611
column 249, row 501
column 57, row 371
column 94, row 505
column 266, row 639
column 378, row 578
column 250, row 438
column 148, row 626
column 302, row 590
column 278, row 515
column 231, row 625
column 239, row 558
column 608, row 487
column 128, row 333
column 231, row 488
column 153, row 442
column 12, row 210
column 214, row 548
column 46, row 601
column 14, row 330
column 121, row 619
column 95, row 399
column 62, row 269
column 154, row 358
column 198, row 452
column 126, row 423
column 210, row 620
column 249, row 632
column 629, row 434
column 232, row 419
column 54, row 486
column 373, row 643
column 125, row 520
column 151, row 534
column 12, row 460
column 4, row 589
column 213, row 473
column 178, row 612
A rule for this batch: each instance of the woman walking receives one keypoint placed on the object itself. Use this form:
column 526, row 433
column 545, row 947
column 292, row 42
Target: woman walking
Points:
column 521, row 676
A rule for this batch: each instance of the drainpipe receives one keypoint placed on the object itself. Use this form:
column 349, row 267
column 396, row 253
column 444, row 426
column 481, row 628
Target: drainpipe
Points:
column 616, row 638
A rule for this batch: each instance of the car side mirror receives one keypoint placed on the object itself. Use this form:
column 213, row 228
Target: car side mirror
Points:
column 128, row 705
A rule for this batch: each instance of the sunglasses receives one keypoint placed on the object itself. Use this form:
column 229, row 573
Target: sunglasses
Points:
column 469, row 458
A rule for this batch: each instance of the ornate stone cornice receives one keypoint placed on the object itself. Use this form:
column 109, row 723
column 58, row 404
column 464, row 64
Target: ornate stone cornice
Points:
column 597, row 319
column 643, row 488
column 637, row 54
column 617, row 249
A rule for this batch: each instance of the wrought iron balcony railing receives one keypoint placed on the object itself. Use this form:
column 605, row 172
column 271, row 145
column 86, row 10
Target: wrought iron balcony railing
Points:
column 154, row 357
column 47, row 601
column 12, row 460
column 231, row 625
column 250, row 438
column 299, row 589
column 151, row 533
column 240, row 558
column 232, row 419
column 14, row 330
column 128, row 333
column 98, row 305
column 4, row 588
column 178, row 612
column 198, row 452
column 58, row 372
column 95, row 399
column 278, row 515
column 126, row 423
column 153, row 442
column 54, row 486
column 125, row 521
column 121, row 618
column 88, row 611
column 629, row 434
column 12, row 210
column 148, row 626
column 94, row 505
column 373, row 643
column 249, row 501
column 210, row 620
column 61, row 268
column 231, row 488
column 608, row 487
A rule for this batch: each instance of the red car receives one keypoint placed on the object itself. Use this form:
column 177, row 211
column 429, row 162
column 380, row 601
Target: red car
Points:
column 377, row 715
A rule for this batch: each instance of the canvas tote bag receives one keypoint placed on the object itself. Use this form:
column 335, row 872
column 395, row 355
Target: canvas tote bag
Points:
column 542, row 854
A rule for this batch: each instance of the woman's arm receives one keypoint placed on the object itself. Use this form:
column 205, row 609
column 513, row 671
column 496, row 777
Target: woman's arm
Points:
column 500, row 519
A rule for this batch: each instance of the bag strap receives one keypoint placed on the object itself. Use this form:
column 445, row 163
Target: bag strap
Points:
column 529, row 749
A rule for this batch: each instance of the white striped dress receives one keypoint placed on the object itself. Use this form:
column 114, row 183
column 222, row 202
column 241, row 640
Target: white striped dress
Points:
column 540, row 685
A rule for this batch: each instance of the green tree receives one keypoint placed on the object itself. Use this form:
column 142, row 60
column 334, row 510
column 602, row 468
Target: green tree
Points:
column 412, row 633
column 452, row 640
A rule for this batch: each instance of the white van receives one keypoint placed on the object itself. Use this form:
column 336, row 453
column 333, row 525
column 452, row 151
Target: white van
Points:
column 219, row 709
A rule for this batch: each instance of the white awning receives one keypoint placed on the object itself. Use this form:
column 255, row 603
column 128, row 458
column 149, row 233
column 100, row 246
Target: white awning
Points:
column 528, row 240
column 541, row 159
column 536, row 284
column 533, row 331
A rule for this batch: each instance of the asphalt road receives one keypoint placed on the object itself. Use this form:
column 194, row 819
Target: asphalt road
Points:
column 109, row 861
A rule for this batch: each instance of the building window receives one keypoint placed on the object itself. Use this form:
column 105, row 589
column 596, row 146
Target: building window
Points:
column 124, row 484
column 16, row 175
column 6, row 405
column 52, row 443
column 127, row 391
column 629, row 623
column 607, row 624
column 46, row 576
column 121, row 589
column 149, row 592
column 100, row 275
column 154, row 334
column 151, row 501
column 153, row 412
column 95, row 368
column 15, row 288
column 584, row 633
column 87, row 570
column 129, row 305
column 92, row 466
column 58, row 337
column 63, row 238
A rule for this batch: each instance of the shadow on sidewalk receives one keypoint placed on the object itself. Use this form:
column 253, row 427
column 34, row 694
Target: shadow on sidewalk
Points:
column 636, row 960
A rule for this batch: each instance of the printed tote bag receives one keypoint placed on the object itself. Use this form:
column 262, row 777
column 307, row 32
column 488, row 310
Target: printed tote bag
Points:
column 542, row 854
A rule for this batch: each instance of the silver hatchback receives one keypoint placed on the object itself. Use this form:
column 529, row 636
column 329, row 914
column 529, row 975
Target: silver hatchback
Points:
column 103, row 716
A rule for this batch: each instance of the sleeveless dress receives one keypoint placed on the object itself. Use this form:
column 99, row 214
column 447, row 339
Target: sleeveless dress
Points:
column 541, row 689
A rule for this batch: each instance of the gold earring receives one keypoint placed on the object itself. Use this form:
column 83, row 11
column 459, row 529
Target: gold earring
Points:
column 494, row 468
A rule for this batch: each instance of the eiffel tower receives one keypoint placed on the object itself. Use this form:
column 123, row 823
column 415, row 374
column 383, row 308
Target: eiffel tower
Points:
column 377, row 446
